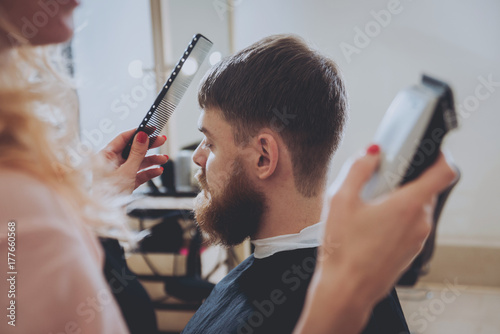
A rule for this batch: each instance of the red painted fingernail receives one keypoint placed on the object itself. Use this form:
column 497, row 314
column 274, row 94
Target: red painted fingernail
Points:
column 165, row 137
column 373, row 149
column 142, row 137
column 161, row 169
column 167, row 156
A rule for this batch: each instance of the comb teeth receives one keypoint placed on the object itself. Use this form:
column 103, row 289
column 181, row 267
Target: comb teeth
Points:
column 158, row 119
column 173, row 90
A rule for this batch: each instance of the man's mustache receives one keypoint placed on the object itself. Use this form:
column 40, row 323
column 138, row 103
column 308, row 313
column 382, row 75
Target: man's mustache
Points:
column 201, row 177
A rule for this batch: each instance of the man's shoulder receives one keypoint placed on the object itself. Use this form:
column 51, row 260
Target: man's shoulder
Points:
column 287, row 271
column 258, row 295
column 263, row 295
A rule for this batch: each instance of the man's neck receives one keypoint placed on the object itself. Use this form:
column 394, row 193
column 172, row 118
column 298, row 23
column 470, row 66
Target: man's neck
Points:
column 289, row 214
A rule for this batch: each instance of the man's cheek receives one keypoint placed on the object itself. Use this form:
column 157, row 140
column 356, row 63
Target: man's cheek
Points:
column 213, row 184
column 217, row 181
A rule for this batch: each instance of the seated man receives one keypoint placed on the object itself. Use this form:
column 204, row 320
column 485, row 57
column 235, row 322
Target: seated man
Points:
column 273, row 115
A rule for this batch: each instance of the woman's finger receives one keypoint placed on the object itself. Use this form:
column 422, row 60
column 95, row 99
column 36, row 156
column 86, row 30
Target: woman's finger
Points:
column 119, row 142
column 152, row 160
column 361, row 171
column 146, row 175
column 433, row 181
column 158, row 141
column 137, row 153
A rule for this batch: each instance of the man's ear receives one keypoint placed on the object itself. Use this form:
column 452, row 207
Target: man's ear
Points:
column 268, row 155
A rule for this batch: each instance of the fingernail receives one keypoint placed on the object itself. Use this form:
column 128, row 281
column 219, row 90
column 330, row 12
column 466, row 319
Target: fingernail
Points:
column 164, row 137
column 167, row 156
column 373, row 149
column 161, row 169
column 142, row 137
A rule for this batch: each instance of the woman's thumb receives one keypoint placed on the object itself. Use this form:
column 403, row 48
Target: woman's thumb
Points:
column 138, row 151
column 362, row 170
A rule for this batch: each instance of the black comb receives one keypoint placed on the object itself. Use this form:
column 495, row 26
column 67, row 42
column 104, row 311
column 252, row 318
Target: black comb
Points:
column 171, row 94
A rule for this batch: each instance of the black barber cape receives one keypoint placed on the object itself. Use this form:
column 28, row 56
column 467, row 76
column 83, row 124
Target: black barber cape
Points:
column 267, row 295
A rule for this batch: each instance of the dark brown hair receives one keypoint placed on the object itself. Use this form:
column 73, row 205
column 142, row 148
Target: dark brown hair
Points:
column 282, row 84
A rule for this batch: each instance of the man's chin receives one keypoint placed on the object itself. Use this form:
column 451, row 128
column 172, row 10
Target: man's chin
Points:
column 230, row 215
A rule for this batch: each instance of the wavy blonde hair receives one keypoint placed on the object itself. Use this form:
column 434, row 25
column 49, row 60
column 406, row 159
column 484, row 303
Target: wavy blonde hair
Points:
column 39, row 126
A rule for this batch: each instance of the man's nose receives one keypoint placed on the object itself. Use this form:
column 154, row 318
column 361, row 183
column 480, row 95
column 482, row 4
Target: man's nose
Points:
column 200, row 156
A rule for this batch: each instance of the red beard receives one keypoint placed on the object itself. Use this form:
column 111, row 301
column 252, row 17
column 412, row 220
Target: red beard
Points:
column 234, row 213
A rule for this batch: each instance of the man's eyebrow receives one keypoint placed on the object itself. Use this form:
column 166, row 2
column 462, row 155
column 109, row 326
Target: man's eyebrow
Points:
column 205, row 131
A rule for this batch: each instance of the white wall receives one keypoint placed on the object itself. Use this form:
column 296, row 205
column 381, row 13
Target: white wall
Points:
column 455, row 40
column 111, row 47
column 184, row 18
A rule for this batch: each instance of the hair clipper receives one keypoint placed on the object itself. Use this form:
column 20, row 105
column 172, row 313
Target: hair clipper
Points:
column 410, row 137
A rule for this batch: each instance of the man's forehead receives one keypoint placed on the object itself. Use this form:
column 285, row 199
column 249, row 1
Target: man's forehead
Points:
column 210, row 122
column 201, row 120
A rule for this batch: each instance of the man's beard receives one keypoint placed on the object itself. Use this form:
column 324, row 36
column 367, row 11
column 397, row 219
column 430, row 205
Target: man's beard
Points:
column 234, row 213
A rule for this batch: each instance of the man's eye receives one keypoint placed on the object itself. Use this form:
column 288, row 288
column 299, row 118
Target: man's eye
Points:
column 208, row 145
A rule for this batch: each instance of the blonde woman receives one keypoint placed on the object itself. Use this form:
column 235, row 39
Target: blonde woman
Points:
column 51, row 209
column 49, row 216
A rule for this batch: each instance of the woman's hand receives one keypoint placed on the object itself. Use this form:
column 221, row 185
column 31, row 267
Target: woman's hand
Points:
column 136, row 170
column 381, row 236
column 367, row 245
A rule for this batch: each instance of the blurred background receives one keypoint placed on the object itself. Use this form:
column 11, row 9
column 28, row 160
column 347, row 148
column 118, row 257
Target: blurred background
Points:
column 124, row 49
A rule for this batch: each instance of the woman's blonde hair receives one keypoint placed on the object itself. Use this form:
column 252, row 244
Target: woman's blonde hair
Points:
column 39, row 127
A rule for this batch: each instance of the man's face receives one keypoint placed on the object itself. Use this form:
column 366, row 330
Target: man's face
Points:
column 229, row 207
